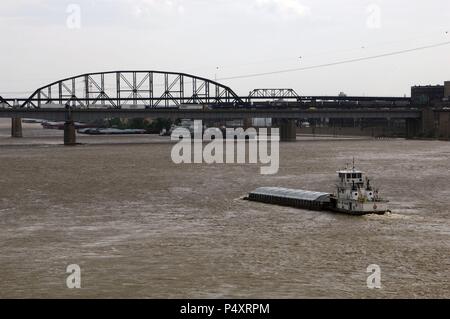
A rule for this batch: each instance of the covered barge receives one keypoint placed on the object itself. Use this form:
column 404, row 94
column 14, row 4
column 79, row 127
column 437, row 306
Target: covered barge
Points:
column 291, row 197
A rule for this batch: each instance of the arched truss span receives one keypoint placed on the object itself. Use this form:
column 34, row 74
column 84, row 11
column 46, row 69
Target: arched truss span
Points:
column 118, row 89
column 274, row 94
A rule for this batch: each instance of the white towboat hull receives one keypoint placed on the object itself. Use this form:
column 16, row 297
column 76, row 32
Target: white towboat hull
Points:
column 361, row 208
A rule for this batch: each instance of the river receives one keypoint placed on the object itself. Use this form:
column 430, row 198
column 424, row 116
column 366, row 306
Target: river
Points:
column 140, row 226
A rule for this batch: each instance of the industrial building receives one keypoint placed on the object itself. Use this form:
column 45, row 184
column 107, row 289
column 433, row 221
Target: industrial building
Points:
column 427, row 94
column 447, row 90
column 422, row 95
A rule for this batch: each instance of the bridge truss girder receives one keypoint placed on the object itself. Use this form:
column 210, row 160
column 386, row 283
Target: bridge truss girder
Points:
column 274, row 94
column 3, row 102
column 152, row 89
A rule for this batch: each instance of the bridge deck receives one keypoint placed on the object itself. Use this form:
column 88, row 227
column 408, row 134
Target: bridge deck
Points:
column 87, row 115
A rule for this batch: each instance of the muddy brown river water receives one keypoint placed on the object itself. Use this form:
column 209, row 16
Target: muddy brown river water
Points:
column 140, row 226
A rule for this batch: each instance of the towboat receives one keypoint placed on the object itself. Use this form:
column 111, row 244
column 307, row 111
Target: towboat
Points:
column 355, row 195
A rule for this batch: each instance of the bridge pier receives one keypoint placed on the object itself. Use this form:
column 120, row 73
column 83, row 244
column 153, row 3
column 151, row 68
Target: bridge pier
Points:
column 412, row 128
column 288, row 130
column 428, row 123
column 444, row 124
column 16, row 127
column 248, row 123
column 70, row 137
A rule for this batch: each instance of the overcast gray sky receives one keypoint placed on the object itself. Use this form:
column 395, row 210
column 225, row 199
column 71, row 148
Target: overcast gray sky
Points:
column 46, row 40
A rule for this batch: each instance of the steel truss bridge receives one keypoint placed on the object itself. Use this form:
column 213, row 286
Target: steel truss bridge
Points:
column 285, row 94
column 159, row 89
column 158, row 94
column 152, row 89
column 154, row 94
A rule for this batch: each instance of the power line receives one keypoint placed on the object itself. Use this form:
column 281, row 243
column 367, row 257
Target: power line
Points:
column 245, row 76
column 321, row 53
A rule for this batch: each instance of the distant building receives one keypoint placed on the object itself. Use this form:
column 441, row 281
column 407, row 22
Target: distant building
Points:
column 447, row 89
column 428, row 94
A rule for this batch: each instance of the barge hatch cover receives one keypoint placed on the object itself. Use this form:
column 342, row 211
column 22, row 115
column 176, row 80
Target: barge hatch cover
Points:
column 291, row 197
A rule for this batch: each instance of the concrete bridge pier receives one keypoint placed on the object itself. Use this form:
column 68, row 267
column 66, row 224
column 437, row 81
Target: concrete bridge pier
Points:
column 428, row 123
column 288, row 130
column 16, row 127
column 412, row 128
column 248, row 123
column 444, row 124
column 70, row 137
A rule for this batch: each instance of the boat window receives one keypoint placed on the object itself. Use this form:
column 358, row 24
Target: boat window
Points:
column 354, row 175
column 359, row 176
column 349, row 176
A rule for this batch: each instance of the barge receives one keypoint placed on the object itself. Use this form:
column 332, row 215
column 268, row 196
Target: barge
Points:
column 291, row 197
column 354, row 195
